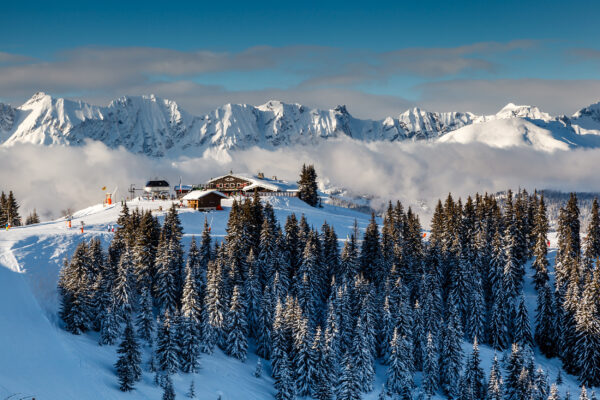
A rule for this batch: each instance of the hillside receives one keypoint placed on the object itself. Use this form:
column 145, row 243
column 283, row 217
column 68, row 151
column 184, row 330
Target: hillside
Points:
column 160, row 128
column 35, row 344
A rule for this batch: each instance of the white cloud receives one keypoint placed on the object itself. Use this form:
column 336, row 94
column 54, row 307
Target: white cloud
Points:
column 55, row 178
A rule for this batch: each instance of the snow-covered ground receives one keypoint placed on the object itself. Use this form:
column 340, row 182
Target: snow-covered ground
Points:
column 39, row 359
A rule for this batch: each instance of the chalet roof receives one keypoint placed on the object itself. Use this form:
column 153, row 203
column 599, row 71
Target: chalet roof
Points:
column 275, row 185
column 198, row 194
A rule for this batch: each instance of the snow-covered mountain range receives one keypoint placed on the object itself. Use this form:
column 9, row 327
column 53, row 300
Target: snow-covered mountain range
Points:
column 158, row 127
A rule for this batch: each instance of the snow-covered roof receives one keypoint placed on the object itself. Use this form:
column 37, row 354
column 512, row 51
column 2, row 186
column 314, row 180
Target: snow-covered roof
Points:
column 198, row 194
column 275, row 185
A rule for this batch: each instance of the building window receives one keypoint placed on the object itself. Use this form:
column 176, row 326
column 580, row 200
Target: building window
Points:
column 219, row 185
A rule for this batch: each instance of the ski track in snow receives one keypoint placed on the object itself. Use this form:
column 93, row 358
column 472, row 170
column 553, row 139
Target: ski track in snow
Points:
column 38, row 358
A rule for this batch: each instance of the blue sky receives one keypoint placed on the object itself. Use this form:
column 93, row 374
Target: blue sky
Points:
column 379, row 58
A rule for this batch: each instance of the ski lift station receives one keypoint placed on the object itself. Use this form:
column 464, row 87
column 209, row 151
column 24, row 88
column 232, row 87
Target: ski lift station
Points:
column 157, row 188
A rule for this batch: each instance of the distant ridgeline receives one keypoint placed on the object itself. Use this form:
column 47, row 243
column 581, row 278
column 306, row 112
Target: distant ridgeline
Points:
column 324, row 316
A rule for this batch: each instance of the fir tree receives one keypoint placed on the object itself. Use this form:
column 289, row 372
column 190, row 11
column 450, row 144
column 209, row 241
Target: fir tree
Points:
column 191, row 393
column 128, row 364
column 348, row 385
column 521, row 329
column 587, row 346
column 109, row 327
column 236, row 343
column 430, row 367
column 514, row 366
column 592, row 239
column 545, row 329
column 11, row 210
column 259, row 369
column 495, row 390
column 32, row 218
column 322, row 381
column 473, row 380
column 540, row 264
column 554, row 395
column 307, row 185
column 399, row 379
column 362, row 357
column 166, row 346
column 168, row 391
column 303, row 359
column 145, row 317
column 284, row 384
column 74, row 288
column 451, row 355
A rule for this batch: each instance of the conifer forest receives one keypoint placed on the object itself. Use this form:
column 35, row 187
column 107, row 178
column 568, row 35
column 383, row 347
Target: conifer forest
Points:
column 323, row 313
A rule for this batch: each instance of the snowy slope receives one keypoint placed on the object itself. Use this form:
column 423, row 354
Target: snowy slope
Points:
column 158, row 127
column 42, row 360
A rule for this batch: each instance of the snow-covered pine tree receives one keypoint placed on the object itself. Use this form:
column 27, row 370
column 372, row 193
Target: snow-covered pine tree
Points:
column 268, row 253
column 514, row 365
column 124, row 290
column 362, row 357
column 495, row 388
column 476, row 320
column 583, row 394
column 265, row 322
column 554, row 394
column 166, row 346
column 521, row 329
column 165, row 285
column 303, row 358
column 145, row 317
column 322, row 380
column 386, row 331
column 370, row 254
column 399, row 377
column 191, row 393
column 348, row 385
column 431, row 372
column 419, row 336
column 214, row 308
column 168, row 390
column 236, row 328
column 128, row 363
column 591, row 246
column 279, row 347
column 259, row 369
column 109, row 327
column 284, row 384
column 587, row 347
column 144, row 253
column 74, row 288
column 497, row 320
column 540, row 252
column 472, row 384
column 545, row 322
column 253, row 295
column 540, row 381
column 205, row 252
column 451, row 354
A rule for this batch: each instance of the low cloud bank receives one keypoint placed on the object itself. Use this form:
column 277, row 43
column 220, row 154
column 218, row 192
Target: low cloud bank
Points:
column 52, row 179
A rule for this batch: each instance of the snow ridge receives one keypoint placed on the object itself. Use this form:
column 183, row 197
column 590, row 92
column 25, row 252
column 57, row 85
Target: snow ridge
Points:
column 158, row 127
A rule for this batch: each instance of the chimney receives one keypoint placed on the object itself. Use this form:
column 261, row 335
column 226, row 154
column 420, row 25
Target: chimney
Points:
column 274, row 177
column 261, row 175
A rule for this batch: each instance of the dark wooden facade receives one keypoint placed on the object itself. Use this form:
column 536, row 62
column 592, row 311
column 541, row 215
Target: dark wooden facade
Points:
column 228, row 184
column 210, row 201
